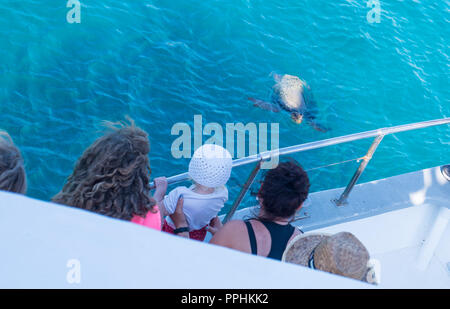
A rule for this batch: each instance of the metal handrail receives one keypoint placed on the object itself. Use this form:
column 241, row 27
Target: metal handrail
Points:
column 264, row 156
column 320, row 144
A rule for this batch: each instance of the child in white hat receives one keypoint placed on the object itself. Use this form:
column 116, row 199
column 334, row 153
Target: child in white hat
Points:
column 210, row 169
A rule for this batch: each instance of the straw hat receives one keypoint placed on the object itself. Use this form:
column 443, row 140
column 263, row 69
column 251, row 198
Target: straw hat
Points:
column 211, row 166
column 341, row 254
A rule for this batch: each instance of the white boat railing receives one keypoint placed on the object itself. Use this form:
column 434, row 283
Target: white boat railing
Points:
column 268, row 155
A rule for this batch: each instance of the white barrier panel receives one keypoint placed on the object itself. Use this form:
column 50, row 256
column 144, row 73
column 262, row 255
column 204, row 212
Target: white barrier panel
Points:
column 43, row 245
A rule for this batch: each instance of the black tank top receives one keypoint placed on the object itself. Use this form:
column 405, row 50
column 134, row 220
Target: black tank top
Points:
column 280, row 235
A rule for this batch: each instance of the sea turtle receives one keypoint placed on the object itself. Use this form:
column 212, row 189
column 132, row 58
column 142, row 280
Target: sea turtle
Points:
column 289, row 94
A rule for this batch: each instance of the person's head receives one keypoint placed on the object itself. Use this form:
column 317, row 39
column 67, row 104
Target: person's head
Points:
column 112, row 176
column 297, row 117
column 283, row 190
column 210, row 166
column 12, row 170
column 342, row 254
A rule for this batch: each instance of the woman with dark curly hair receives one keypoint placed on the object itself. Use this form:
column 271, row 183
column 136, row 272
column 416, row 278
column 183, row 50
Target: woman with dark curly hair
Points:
column 281, row 195
column 12, row 170
column 112, row 178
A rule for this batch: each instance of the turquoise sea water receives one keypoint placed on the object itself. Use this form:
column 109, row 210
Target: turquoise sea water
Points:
column 162, row 62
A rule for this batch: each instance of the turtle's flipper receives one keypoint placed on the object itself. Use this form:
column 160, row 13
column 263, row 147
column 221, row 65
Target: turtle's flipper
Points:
column 317, row 127
column 310, row 117
column 265, row 105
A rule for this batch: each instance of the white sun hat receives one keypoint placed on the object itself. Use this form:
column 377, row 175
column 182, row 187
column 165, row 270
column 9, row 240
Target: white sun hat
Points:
column 210, row 166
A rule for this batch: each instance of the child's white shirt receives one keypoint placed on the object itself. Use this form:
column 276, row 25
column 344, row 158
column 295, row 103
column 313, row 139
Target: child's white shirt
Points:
column 199, row 209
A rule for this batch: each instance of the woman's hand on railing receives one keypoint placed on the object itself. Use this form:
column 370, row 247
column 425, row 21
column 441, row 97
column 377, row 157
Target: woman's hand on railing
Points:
column 214, row 225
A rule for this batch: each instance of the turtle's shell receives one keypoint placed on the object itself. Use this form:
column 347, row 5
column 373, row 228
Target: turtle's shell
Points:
column 288, row 93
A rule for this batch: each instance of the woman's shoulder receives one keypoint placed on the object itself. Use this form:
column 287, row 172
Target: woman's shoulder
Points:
column 235, row 227
column 235, row 223
column 230, row 233
column 152, row 219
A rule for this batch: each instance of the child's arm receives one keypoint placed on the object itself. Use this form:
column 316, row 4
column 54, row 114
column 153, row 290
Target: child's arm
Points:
column 162, row 210
column 168, row 203
column 161, row 188
column 179, row 218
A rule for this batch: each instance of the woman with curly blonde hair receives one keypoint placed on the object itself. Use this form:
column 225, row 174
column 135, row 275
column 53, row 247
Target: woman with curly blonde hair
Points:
column 112, row 178
column 12, row 170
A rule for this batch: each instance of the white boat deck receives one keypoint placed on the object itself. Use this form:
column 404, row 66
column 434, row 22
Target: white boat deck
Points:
column 402, row 220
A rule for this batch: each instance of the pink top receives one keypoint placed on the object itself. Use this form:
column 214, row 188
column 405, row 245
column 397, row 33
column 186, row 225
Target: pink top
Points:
column 151, row 220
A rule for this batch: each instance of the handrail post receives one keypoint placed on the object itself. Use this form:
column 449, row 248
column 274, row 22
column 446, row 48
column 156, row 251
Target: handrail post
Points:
column 343, row 198
column 243, row 191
